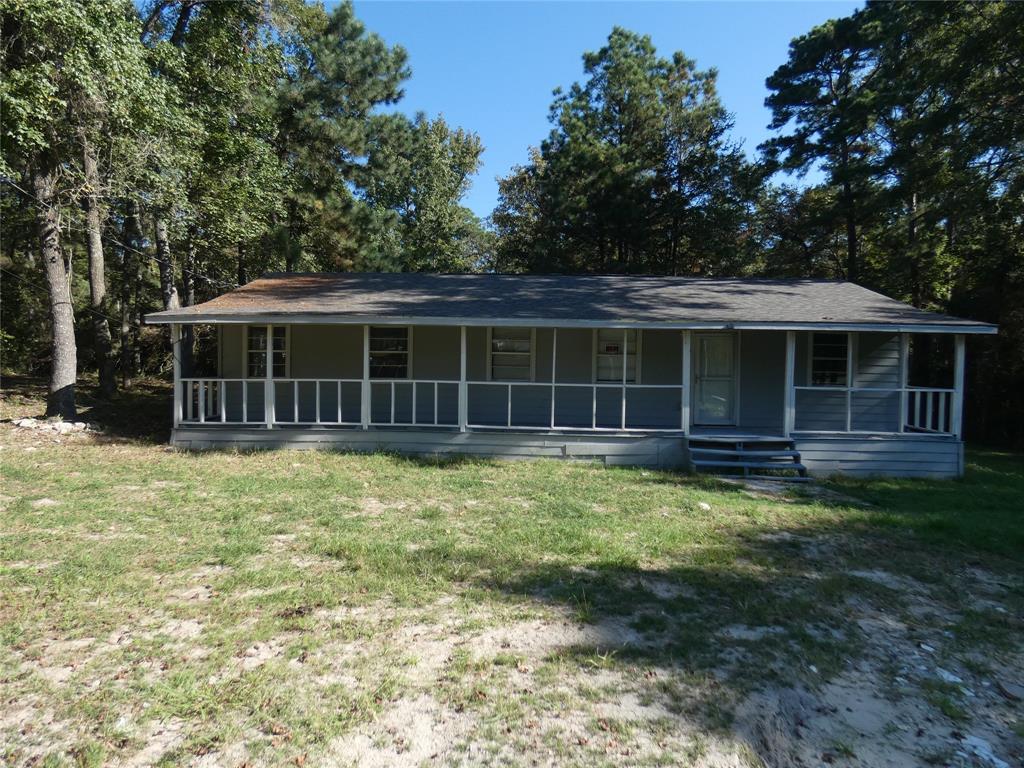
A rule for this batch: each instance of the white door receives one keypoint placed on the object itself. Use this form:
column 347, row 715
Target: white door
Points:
column 715, row 379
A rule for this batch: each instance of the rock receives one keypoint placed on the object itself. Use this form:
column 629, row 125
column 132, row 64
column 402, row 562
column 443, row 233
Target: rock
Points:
column 1010, row 691
column 981, row 750
column 947, row 677
column 63, row 427
column 703, row 506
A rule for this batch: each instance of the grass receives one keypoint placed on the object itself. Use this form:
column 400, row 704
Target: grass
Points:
column 278, row 607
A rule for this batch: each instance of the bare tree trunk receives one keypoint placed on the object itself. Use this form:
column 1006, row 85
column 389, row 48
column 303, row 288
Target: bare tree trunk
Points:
column 242, row 277
column 102, row 345
column 852, row 260
column 60, row 400
column 163, row 255
column 188, row 336
column 129, row 277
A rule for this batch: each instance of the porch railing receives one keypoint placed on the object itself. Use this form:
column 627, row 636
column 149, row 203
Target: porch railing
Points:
column 873, row 410
column 597, row 407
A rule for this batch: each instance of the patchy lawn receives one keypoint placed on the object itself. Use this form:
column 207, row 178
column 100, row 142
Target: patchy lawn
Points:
column 159, row 607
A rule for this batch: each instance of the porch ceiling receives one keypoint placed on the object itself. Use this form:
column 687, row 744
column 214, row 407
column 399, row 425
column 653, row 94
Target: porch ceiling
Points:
column 565, row 301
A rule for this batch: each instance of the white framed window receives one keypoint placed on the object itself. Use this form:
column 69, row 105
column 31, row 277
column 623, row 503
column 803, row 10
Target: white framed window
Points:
column 611, row 345
column 390, row 348
column 511, row 354
column 256, row 351
column 829, row 355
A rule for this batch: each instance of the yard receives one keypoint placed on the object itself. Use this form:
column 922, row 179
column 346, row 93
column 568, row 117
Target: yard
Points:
column 287, row 608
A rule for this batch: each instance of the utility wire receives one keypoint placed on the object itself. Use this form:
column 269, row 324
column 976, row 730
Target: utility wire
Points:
column 118, row 243
column 46, row 290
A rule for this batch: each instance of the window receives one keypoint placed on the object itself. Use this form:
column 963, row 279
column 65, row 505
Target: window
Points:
column 828, row 359
column 389, row 352
column 511, row 354
column 256, row 351
column 608, row 365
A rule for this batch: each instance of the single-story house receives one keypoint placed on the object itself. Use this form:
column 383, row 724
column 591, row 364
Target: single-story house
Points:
column 774, row 376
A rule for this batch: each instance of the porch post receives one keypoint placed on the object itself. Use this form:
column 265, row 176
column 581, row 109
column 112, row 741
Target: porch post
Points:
column 789, row 404
column 957, row 413
column 176, row 355
column 268, row 381
column 364, row 399
column 850, row 340
column 554, row 361
column 463, row 386
column 904, row 378
column 685, row 393
column 625, row 357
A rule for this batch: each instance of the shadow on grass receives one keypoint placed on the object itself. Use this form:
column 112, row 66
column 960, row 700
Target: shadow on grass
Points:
column 140, row 414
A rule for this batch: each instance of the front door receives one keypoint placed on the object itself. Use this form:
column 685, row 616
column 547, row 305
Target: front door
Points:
column 715, row 379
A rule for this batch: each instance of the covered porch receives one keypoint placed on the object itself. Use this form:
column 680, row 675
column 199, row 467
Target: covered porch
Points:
column 537, row 379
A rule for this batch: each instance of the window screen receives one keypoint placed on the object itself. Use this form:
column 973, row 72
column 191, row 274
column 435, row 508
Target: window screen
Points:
column 256, row 352
column 389, row 353
column 828, row 359
column 511, row 354
column 611, row 345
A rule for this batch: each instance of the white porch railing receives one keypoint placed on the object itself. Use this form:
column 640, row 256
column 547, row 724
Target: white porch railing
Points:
column 874, row 410
column 609, row 407
column 587, row 407
column 929, row 410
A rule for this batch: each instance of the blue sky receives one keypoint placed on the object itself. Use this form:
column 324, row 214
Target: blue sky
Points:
column 490, row 67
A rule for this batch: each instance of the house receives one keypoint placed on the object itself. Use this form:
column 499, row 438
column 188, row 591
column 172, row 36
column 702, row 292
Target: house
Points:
column 719, row 374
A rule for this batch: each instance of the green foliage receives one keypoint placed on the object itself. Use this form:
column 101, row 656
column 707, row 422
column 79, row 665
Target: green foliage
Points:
column 636, row 175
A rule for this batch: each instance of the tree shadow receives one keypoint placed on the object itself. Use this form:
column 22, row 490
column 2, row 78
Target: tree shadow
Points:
column 140, row 414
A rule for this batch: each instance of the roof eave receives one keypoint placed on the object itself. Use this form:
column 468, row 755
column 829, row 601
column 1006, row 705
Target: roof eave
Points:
column 310, row 318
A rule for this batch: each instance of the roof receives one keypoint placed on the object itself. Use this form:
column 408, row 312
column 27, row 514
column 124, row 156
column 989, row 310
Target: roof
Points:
column 562, row 300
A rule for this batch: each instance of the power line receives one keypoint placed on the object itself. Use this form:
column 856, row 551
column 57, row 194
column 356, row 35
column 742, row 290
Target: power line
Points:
column 126, row 247
column 46, row 290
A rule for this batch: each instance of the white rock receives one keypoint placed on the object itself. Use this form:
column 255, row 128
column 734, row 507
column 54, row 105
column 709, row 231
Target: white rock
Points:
column 703, row 506
column 981, row 749
column 947, row 677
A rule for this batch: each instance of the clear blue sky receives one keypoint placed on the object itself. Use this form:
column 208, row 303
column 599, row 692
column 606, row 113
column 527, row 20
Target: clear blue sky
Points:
column 490, row 67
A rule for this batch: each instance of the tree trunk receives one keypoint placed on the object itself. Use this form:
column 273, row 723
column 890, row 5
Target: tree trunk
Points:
column 60, row 400
column 163, row 256
column 102, row 345
column 851, row 219
column 188, row 337
column 129, row 277
column 242, row 277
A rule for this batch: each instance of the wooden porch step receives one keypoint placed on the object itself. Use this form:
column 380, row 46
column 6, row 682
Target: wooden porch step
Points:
column 746, row 465
column 734, row 439
column 744, row 453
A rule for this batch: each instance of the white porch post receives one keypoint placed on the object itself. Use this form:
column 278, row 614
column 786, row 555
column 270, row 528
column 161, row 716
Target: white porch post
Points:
column 463, row 386
column 268, row 381
column 176, row 355
column 957, row 412
column 850, row 338
column 554, row 362
column 904, row 378
column 685, row 393
column 364, row 399
column 625, row 358
column 789, row 395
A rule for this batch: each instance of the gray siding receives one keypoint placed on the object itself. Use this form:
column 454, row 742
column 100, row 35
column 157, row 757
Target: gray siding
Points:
column 662, row 452
column 336, row 351
column 893, row 455
column 326, row 352
column 762, row 379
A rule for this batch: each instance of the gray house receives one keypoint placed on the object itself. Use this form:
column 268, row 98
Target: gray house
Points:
column 780, row 377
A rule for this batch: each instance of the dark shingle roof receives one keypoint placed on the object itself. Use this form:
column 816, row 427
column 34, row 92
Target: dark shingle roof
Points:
column 551, row 299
